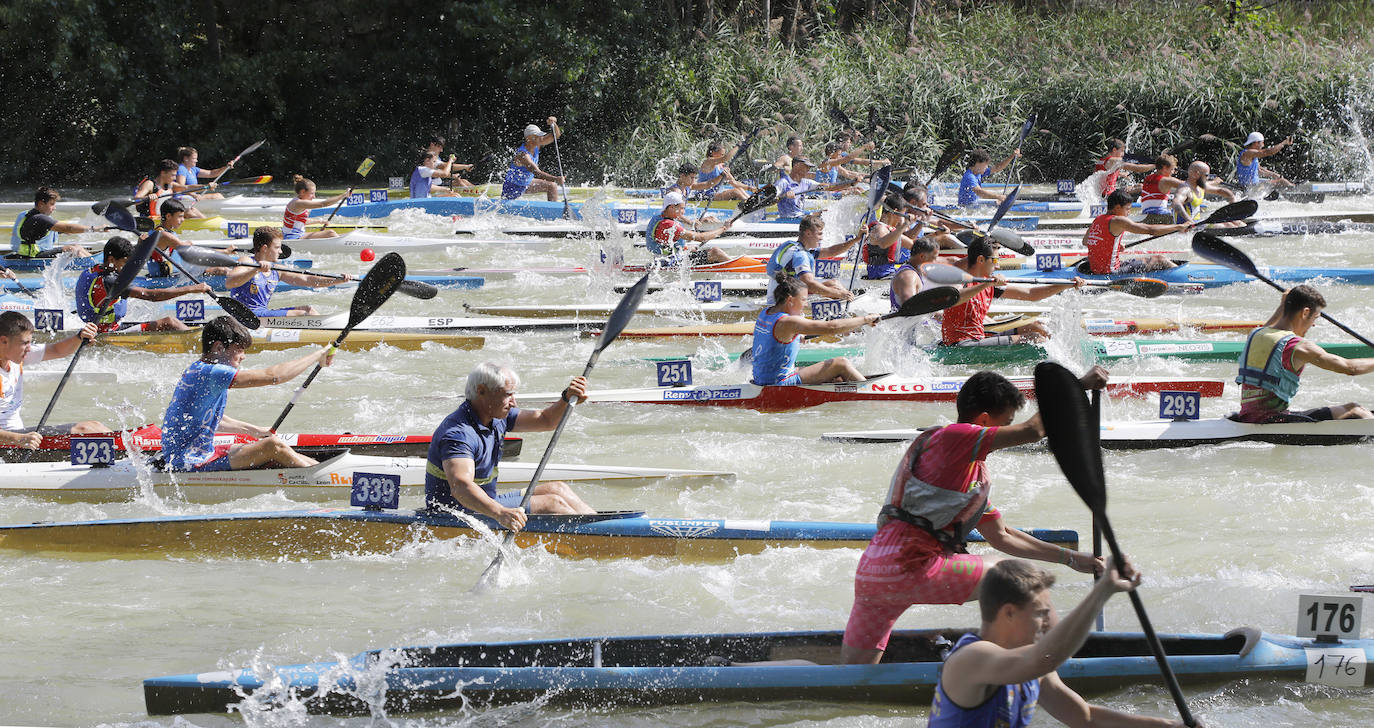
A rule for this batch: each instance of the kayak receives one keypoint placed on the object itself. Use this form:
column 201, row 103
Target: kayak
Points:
column 331, row 478
column 880, row 388
column 148, row 439
column 717, row 311
column 469, row 206
column 218, row 224
column 426, row 324
column 272, row 339
column 697, row 668
column 217, row 282
column 380, row 243
column 37, row 265
column 327, row 532
column 1189, row 433
column 1210, row 276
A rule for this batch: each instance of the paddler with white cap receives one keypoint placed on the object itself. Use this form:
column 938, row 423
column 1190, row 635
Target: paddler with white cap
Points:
column 524, row 175
column 1248, row 169
column 667, row 237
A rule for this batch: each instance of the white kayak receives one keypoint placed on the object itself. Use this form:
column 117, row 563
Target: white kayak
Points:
column 330, row 479
column 354, row 241
column 428, row 324
column 1216, row 431
column 84, row 377
column 714, row 311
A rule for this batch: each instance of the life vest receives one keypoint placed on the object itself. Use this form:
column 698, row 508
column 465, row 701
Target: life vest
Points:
column 1104, row 249
column 664, row 236
column 149, row 207
column 774, row 360
column 947, row 515
column 788, row 251
column 1152, row 199
column 1108, row 182
column 1009, row 706
column 20, row 241
column 1261, row 362
column 92, row 300
column 1247, row 174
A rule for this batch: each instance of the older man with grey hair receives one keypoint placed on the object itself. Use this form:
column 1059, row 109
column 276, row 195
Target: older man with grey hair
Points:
column 465, row 451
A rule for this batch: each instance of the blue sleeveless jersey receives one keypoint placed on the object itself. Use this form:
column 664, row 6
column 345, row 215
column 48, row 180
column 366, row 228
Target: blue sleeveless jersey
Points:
column 774, row 361
column 419, row 185
column 1247, row 174
column 1009, row 706
column 257, row 292
column 518, row 178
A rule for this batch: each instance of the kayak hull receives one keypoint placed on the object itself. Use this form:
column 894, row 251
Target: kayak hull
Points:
column 1218, row 431
column 1211, row 276
column 266, row 339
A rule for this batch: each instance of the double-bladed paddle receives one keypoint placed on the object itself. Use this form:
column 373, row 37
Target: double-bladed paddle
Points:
column 1072, row 436
column 930, row 300
column 251, row 148
column 947, row 157
column 1020, row 141
column 763, row 197
column 121, row 219
column 373, row 290
column 1142, row 287
column 877, row 188
column 1226, row 213
column 361, row 172
column 1221, row 252
column 620, row 317
column 201, row 256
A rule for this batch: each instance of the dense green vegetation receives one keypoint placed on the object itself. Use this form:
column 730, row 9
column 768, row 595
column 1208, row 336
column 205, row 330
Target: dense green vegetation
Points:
column 98, row 92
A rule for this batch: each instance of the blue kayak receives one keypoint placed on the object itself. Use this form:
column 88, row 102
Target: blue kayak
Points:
column 217, row 282
column 699, row 668
column 20, row 264
column 1211, row 276
column 468, row 206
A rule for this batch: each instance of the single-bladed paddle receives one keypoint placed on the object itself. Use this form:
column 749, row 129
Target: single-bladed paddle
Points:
column 1221, row 252
column 201, row 256
column 1072, row 436
column 1143, row 287
column 361, row 172
column 1226, row 213
column 373, row 290
column 567, row 209
column 620, row 317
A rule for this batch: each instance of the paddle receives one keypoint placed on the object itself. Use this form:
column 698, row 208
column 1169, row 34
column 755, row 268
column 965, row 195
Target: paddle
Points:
column 1226, row 213
column 1221, row 252
column 126, row 276
column 22, row 288
column 877, row 187
column 362, row 171
column 1142, row 287
column 620, row 317
column 1025, row 132
column 567, row 210
column 201, row 256
column 765, row 196
column 930, row 300
column 251, row 148
column 373, row 290
column 947, row 157
column 1072, row 436
column 261, row 179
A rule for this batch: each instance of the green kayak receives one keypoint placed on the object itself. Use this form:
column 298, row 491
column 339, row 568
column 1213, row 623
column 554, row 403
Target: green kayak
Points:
column 1098, row 350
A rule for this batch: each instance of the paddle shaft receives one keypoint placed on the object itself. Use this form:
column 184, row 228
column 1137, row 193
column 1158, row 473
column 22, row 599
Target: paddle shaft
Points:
column 168, row 257
column 259, row 180
column 1227, row 217
column 301, row 389
column 1097, row 527
column 335, row 211
column 251, row 148
column 1355, row 334
column 563, row 184
column 60, row 384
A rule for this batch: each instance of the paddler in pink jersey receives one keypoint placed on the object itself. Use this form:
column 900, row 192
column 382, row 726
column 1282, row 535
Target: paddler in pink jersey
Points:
column 938, row 494
column 1103, row 240
column 297, row 213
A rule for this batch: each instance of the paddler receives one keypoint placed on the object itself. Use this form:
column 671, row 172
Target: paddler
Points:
column 93, row 304
column 159, row 189
column 778, row 333
column 188, row 174
column 1114, row 163
column 1248, row 169
column 715, row 173
column 524, row 175
column 793, row 185
column 917, row 199
column 1158, row 189
column 1189, row 198
column 962, row 325
column 1103, row 239
column 254, row 282
column 976, row 171
column 668, row 239
column 909, row 280
column 688, row 185
column 791, row 151
column 35, row 231
column 1273, row 359
column 797, row 258
column 465, row 451
column 196, row 411
column 424, row 178
column 995, row 677
column 16, row 350
column 297, row 213
column 938, row 494
column 887, row 246
column 436, row 145
column 174, row 215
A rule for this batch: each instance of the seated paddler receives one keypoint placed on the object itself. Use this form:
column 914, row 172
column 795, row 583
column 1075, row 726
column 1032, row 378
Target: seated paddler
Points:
column 778, row 335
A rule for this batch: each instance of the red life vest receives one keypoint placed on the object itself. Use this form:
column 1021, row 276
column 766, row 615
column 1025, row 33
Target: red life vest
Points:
column 1151, row 197
column 1108, row 183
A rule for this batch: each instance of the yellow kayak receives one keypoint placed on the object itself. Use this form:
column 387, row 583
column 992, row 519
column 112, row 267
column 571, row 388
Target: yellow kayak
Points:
column 176, row 342
column 219, row 224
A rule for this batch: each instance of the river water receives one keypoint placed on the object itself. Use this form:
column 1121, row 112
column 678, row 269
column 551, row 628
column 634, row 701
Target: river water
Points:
column 1226, row 536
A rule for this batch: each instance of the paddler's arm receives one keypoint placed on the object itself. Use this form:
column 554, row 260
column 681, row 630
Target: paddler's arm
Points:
column 72, row 228
column 64, row 348
column 547, row 418
column 462, row 484
column 316, row 204
column 834, row 251
column 26, row 440
column 241, row 274
column 1022, row 545
column 1069, row 708
column 829, row 288
column 1222, row 191
column 230, row 426
column 1033, row 429
column 698, row 236
column 305, row 279
column 789, row 326
column 1121, row 223
column 1307, row 352
column 1018, row 292
column 165, row 294
column 283, row 372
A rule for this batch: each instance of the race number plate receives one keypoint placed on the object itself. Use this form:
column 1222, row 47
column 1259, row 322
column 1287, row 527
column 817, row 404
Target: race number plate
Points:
column 1064, row 187
column 1048, row 261
column 377, row 196
column 357, row 198
column 707, row 291
column 92, row 451
column 1180, row 405
column 1338, row 666
column 47, row 319
column 1096, row 210
column 396, row 183
column 824, row 310
column 189, row 311
column 627, row 217
column 237, row 230
column 828, row 268
column 1324, row 616
column 376, row 491
column 674, row 373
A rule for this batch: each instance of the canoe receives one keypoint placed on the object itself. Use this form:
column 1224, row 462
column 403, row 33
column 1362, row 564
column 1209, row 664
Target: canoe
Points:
column 148, row 439
column 217, row 283
column 1215, row 431
column 697, row 668
column 271, row 339
column 882, row 388
column 327, row 532
column 1210, row 276
column 331, row 478
column 427, row 324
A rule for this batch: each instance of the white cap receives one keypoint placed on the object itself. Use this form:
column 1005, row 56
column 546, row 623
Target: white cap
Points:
column 533, row 130
column 1254, row 137
column 673, row 198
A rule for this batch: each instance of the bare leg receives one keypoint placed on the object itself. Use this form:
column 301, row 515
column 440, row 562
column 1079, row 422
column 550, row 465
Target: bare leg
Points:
column 168, row 323
column 716, row 255
column 557, row 497
column 831, row 370
column 1159, row 262
column 318, row 234
column 1350, row 411
column 87, row 427
column 267, row 452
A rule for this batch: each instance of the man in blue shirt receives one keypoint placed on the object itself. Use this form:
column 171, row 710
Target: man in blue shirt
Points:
column 196, row 411
column 465, row 451
column 798, row 182
column 970, row 187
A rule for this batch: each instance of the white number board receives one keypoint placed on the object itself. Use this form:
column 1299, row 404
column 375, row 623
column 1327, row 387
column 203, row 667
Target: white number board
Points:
column 1325, row 616
column 1337, row 666
column 708, row 291
column 376, row 491
column 674, row 373
column 92, row 450
column 1180, row 405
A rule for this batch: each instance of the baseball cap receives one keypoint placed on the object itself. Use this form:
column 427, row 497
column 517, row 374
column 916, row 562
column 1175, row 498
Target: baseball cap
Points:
column 533, row 130
column 803, row 160
column 1254, row 137
column 673, row 198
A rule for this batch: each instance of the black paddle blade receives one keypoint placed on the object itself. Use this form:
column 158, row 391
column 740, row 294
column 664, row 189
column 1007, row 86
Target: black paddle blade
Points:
column 624, row 311
column 1232, row 212
column 1141, row 287
column 877, row 186
column 208, row 258
column 839, row 117
column 1026, row 130
column 765, row 196
column 927, row 301
column 1003, row 208
column 145, row 224
column 1221, row 252
column 418, row 289
column 285, row 252
column 947, row 157
column 1072, row 432
column 1011, row 241
column 118, row 216
column 133, row 266
column 943, row 274
column 376, row 287
column 968, row 236
column 234, row 308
